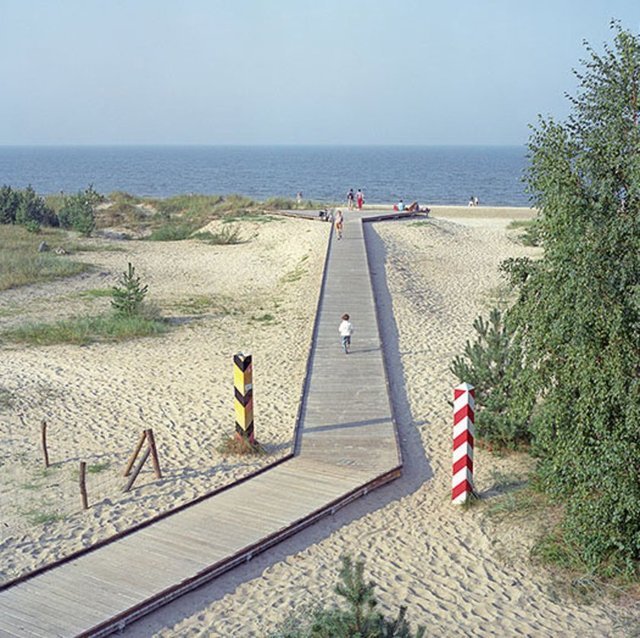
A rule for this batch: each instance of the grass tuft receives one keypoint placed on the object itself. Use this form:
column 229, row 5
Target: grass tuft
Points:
column 41, row 517
column 237, row 445
column 85, row 330
column 228, row 235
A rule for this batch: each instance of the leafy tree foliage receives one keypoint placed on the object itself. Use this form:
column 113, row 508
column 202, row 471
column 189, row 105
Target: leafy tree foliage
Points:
column 25, row 207
column 577, row 317
column 359, row 619
column 127, row 298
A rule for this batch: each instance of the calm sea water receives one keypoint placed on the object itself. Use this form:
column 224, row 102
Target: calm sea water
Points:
column 433, row 175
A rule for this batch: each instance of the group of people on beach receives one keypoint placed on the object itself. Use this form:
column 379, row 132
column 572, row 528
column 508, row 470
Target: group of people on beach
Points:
column 355, row 200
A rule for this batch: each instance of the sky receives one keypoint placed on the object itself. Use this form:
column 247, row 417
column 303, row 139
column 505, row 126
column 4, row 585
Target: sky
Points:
column 254, row 72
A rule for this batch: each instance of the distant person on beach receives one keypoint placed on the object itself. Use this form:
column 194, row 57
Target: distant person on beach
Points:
column 400, row 205
column 345, row 329
column 471, row 201
column 339, row 224
column 476, row 201
column 413, row 207
column 359, row 199
column 299, row 198
column 350, row 199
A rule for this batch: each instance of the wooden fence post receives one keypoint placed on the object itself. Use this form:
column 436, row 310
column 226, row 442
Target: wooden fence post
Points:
column 151, row 450
column 154, row 452
column 134, row 456
column 43, row 437
column 83, row 485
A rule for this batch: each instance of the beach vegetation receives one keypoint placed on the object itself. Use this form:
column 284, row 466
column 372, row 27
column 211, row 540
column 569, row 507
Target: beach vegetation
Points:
column 285, row 203
column 85, row 330
column 96, row 468
column 21, row 263
column 356, row 614
column 239, row 445
column 173, row 232
column 128, row 296
column 265, row 318
column 575, row 325
column 42, row 517
column 493, row 364
column 32, row 208
column 294, row 275
column 527, row 231
column 96, row 293
column 228, row 235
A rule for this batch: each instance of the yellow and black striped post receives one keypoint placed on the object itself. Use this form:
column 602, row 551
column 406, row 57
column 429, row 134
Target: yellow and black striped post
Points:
column 243, row 387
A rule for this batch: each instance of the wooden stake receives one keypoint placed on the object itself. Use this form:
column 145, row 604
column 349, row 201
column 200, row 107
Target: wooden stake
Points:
column 154, row 452
column 83, row 485
column 43, row 436
column 133, row 477
column 132, row 460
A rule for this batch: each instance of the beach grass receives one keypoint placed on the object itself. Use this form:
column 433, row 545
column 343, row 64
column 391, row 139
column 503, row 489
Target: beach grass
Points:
column 21, row 263
column 229, row 235
column 85, row 330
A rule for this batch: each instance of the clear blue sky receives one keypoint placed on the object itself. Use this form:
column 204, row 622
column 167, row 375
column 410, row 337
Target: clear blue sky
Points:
column 291, row 71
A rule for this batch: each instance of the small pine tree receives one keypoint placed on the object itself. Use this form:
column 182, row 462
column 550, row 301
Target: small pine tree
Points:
column 77, row 211
column 493, row 365
column 359, row 618
column 127, row 298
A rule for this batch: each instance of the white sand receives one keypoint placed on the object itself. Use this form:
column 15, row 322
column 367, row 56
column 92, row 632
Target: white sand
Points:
column 461, row 573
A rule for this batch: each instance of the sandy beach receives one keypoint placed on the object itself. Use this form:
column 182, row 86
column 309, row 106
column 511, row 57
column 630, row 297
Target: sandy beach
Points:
column 459, row 572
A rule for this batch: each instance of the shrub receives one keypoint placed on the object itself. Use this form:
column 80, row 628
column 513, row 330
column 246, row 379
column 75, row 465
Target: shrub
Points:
column 228, row 235
column 77, row 212
column 172, row 232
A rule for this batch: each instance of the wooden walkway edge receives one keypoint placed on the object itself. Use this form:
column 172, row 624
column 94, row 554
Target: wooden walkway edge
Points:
column 345, row 445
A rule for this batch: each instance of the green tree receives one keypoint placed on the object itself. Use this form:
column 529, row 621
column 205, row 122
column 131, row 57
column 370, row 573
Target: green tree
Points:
column 128, row 296
column 9, row 201
column 493, row 364
column 32, row 208
column 577, row 316
column 78, row 211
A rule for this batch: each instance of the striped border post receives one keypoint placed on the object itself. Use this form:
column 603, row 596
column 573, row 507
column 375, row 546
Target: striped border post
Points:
column 243, row 388
column 463, row 433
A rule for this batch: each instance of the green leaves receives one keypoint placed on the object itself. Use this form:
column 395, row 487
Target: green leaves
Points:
column 562, row 366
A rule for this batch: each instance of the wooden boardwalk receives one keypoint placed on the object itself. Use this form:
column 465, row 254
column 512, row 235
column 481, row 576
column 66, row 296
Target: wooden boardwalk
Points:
column 345, row 446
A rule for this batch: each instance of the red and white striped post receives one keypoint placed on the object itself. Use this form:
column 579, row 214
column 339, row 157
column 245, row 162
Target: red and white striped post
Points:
column 463, row 432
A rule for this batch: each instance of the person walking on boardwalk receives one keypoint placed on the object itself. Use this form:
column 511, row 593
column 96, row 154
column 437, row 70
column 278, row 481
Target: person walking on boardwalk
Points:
column 359, row 199
column 350, row 199
column 339, row 223
column 345, row 329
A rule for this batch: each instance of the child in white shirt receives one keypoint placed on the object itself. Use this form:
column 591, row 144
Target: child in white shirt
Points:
column 345, row 329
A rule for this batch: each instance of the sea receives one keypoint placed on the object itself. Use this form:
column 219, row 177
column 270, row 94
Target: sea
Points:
column 427, row 174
